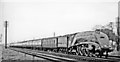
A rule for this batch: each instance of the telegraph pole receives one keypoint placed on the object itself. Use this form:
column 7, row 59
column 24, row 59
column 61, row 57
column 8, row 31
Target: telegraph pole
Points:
column 118, row 33
column 6, row 25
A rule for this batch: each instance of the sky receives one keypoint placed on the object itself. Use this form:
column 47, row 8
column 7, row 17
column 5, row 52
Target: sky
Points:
column 32, row 19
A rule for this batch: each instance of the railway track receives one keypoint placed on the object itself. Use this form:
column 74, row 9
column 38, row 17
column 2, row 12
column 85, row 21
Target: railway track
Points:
column 46, row 56
column 59, row 57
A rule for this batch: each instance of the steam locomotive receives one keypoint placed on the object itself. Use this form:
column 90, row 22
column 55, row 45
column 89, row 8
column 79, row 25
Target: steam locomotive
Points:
column 88, row 43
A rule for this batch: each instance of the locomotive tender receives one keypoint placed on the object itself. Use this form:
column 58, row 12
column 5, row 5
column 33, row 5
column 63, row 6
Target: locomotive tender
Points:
column 81, row 43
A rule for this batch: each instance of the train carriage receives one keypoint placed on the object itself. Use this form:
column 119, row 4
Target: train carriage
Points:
column 37, row 43
column 49, row 43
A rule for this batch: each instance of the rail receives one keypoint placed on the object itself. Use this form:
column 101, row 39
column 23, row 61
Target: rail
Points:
column 50, row 58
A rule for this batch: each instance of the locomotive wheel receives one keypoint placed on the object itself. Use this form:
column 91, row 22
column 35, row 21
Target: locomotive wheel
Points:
column 78, row 50
column 76, row 53
column 87, row 52
column 100, row 54
column 84, row 51
column 106, row 56
column 70, row 50
column 60, row 50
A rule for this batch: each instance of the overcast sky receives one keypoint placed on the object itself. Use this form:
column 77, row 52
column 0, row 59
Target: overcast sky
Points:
column 30, row 19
